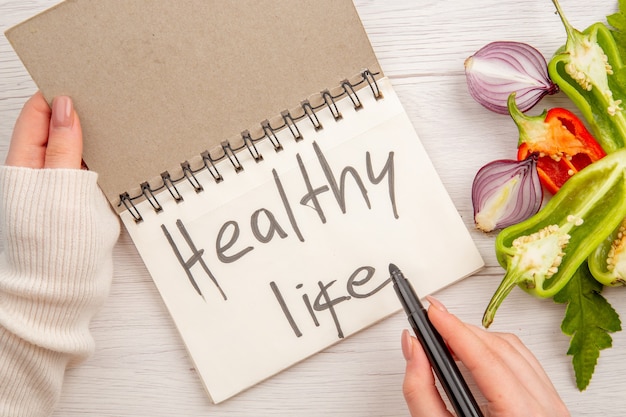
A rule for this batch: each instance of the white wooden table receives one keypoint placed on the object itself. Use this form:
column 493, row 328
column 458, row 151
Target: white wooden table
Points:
column 141, row 368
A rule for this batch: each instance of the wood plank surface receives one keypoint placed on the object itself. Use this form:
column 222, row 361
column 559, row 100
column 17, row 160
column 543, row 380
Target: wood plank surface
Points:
column 141, row 368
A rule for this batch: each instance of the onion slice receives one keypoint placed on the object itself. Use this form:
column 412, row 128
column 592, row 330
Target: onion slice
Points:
column 501, row 68
column 505, row 192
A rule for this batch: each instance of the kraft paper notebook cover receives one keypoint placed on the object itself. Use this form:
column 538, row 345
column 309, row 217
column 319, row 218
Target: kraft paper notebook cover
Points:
column 262, row 164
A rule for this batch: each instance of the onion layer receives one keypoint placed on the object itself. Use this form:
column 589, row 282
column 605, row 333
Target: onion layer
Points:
column 505, row 192
column 501, row 68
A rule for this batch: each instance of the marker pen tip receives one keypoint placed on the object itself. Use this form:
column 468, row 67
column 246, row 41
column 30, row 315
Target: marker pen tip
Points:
column 393, row 268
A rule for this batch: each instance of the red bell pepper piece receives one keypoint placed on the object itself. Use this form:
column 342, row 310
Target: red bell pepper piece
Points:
column 561, row 141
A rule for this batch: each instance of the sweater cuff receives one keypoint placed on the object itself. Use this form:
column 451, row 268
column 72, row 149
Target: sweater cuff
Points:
column 59, row 233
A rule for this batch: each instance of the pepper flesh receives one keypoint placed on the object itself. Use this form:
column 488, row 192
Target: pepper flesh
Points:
column 542, row 253
column 588, row 70
column 561, row 141
column 607, row 263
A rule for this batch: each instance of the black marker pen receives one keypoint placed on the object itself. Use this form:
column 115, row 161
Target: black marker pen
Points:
column 438, row 354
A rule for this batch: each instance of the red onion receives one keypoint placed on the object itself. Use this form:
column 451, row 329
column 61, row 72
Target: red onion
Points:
column 505, row 192
column 501, row 68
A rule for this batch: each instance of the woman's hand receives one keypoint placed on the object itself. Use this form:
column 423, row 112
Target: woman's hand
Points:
column 506, row 372
column 45, row 137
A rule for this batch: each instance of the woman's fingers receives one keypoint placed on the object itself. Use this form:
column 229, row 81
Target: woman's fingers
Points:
column 419, row 389
column 46, row 138
column 505, row 371
column 521, row 361
column 491, row 373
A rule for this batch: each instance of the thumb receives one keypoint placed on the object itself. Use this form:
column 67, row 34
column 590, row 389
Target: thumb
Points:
column 65, row 138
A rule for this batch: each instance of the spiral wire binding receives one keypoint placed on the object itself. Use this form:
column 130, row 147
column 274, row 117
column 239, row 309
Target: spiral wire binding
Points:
column 230, row 153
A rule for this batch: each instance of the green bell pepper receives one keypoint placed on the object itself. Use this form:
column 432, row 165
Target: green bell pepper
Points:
column 607, row 263
column 542, row 253
column 591, row 72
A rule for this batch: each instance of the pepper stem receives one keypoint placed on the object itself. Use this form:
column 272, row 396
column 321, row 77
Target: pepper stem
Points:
column 514, row 111
column 510, row 280
column 569, row 29
column 526, row 125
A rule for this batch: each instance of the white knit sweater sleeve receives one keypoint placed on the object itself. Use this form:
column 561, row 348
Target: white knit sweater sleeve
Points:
column 58, row 235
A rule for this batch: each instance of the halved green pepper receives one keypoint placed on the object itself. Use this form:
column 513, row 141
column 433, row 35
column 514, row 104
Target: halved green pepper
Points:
column 607, row 263
column 590, row 71
column 542, row 253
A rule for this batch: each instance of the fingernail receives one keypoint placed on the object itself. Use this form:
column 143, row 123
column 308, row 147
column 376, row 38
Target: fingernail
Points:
column 407, row 346
column 62, row 112
column 436, row 303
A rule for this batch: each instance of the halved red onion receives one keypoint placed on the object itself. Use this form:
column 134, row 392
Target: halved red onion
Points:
column 501, row 68
column 505, row 192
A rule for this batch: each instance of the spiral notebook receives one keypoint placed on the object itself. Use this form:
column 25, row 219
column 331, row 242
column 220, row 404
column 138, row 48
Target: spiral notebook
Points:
column 262, row 164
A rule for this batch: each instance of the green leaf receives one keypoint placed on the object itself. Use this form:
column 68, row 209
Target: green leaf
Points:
column 589, row 318
column 618, row 22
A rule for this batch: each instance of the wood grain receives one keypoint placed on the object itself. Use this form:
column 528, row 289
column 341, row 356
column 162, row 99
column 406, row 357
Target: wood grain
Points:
column 141, row 368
